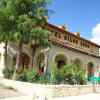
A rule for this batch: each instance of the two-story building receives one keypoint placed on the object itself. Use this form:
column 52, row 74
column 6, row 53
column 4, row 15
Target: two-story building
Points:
column 65, row 48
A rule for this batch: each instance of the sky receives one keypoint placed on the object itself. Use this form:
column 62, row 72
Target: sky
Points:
column 79, row 16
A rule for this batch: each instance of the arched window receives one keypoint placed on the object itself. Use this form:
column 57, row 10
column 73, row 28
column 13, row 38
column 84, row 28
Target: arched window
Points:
column 78, row 62
column 60, row 60
column 90, row 69
column 25, row 60
column 60, row 63
column 41, row 62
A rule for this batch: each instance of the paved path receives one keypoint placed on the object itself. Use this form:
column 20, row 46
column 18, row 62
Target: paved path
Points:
column 80, row 97
column 6, row 93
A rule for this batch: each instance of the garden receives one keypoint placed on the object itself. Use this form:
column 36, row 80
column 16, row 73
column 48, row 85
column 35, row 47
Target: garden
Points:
column 67, row 74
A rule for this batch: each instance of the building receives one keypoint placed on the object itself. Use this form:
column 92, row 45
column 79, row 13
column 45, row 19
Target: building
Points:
column 65, row 48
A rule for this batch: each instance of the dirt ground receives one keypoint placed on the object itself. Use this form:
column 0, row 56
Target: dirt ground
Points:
column 6, row 92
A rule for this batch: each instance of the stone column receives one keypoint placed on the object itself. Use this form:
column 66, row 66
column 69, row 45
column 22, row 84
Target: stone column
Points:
column 47, row 54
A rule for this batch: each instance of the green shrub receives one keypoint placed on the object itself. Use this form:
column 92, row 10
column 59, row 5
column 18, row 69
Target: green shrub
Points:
column 42, row 79
column 21, row 74
column 8, row 72
column 33, row 76
column 55, row 74
column 69, row 74
column 80, row 75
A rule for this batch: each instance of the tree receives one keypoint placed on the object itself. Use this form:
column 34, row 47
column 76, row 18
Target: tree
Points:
column 28, row 22
column 5, row 27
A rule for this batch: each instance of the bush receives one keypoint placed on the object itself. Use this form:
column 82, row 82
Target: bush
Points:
column 69, row 74
column 55, row 74
column 21, row 74
column 80, row 75
column 8, row 72
column 33, row 75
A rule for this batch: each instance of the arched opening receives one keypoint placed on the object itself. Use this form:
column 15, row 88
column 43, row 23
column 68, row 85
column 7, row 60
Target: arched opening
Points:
column 25, row 60
column 90, row 69
column 60, row 60
column 41, row 62
column 78, row 62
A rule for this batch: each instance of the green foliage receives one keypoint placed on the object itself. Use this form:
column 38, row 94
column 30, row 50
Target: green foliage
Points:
column 23, row 21
column 55, row 74
column 8, row 72
column 42, row 64
column 25, row 75
column 21, row 74
column 33, row 76
column 42, row 79
column 69, row 74
column 80, row 75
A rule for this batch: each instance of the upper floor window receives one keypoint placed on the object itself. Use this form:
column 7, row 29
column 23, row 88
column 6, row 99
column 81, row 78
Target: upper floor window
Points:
column 80, row 43
column 73, row 40
column 83, row 44
column 65, row 37
column 76, row 41
column 59, row 35
column 88, row 46
column 70, row 39
column 56, row 34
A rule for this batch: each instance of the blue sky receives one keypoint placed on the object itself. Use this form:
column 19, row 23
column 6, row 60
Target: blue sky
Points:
column 79, row 16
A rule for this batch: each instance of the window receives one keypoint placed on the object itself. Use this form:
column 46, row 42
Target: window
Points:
column 80, row 43
column 83, row 44
column 76, row 41
column 65, row 37
column 70, row 39
column 73, row 40
column 41, row 68
column 59, row 35
column 56, row 34
column 88, row 46
column 25, row 60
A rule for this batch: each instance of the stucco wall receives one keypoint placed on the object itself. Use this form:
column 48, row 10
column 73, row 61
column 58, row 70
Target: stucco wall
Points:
column 50, row 91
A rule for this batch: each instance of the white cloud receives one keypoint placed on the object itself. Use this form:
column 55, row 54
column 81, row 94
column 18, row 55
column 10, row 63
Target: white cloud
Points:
column 96, row 34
